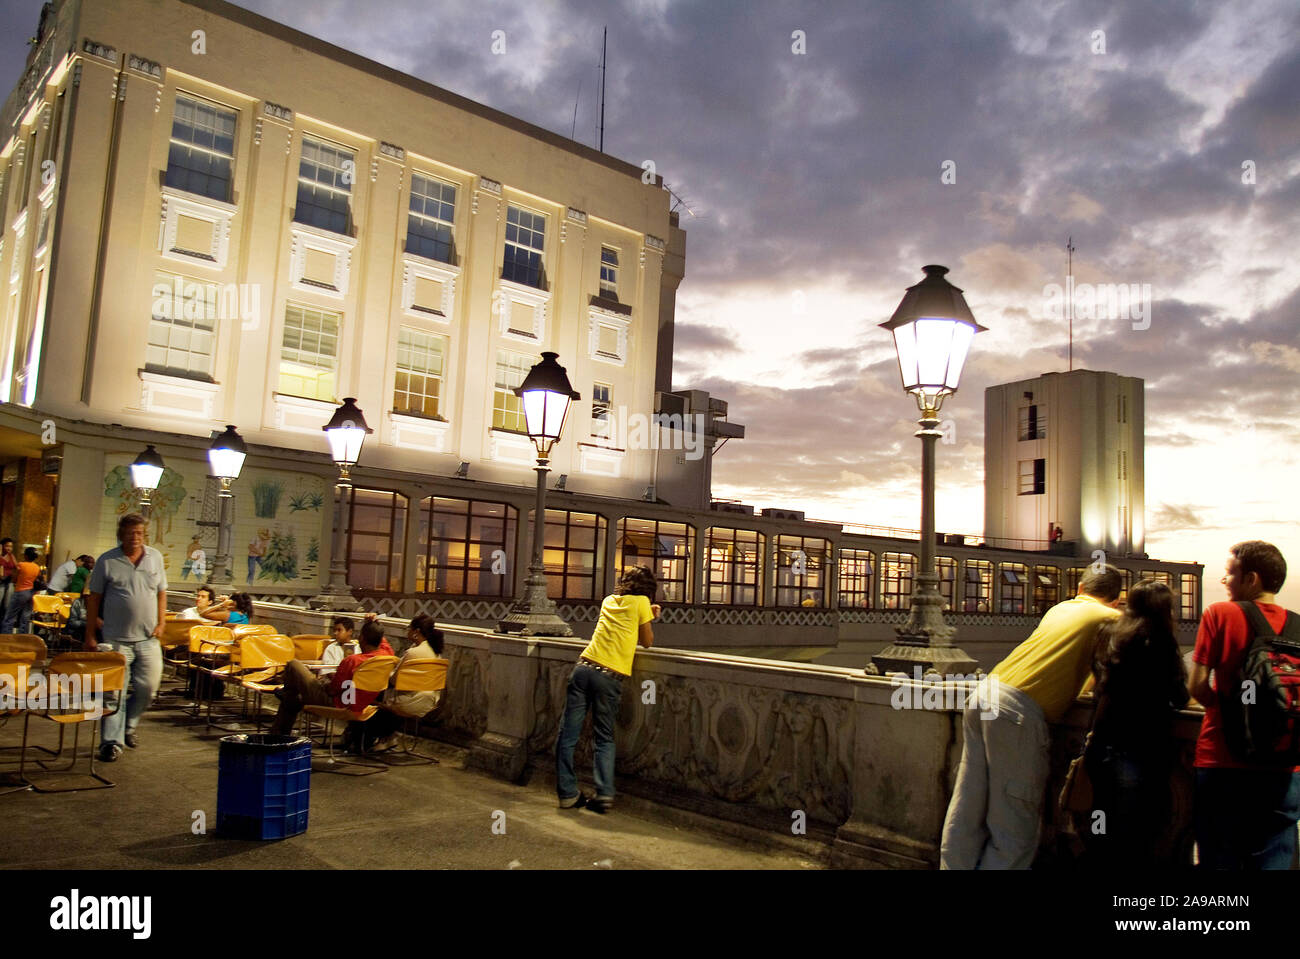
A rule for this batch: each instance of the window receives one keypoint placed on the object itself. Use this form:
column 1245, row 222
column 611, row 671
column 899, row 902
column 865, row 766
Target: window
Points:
column 508, row 409
column 609, row 273
column 897, row 573
column 202, row 149
column 1014, row 579
column 946, row 568
column 1047, row 588
column 857, row 578
column 732, row 572
column 182, row 330
column 469, row 547
column 308, row 353
column 977, row 588
column 571, row 549
column 800, row 562
column 525, row 244
column 1073, row 577
column 1189, row 606
column 601, row 425
column 1033, row 422
column 376, row 540
column 325, row 175
column 664, row 547
column 1126, row 583
column 431, row 219
column 418, row 384
column 1121, row 409
column 1033, row 477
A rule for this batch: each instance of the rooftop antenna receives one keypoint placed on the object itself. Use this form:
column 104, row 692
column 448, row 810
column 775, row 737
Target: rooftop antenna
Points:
column 1069, row 293
column 604, row 37
column 574, row 129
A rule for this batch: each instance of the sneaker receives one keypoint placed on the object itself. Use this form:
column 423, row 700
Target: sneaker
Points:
column 131, row 740
column 601, row 804
column 575, row 802
column 108, row 752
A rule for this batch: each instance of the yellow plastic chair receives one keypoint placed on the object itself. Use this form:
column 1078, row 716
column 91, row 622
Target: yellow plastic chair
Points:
column 50, row 614
column 310, row 647
column 208, row 644
column 81, row 672
column 68, row 598
column 264, row 659
column 252, row 629
column 415, row 676
column 23, row 646
column 372, row 676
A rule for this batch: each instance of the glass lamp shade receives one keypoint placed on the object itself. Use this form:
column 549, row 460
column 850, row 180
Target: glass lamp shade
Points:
column 147, row 470
column 547, row 395
column 346, row 431
column 933, row 328
column 226, row 454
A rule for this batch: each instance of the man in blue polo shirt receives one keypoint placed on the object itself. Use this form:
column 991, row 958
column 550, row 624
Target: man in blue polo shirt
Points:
column 128, row 591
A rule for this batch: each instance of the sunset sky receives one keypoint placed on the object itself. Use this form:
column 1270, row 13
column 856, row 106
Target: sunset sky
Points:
column 813, row 194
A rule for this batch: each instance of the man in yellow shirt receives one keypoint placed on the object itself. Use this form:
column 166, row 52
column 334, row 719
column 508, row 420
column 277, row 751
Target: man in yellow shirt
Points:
column 994, row 816
column 597, row 683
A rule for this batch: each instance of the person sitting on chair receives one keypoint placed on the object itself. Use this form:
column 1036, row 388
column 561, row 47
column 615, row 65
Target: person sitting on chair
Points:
column 233, row 610
column 301, row 688
column 343, row 645
column 423, row 643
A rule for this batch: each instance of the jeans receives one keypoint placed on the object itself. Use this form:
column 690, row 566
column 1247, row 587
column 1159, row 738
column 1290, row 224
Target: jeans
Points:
column 18, row 612
column 1246, row 818
column 601, row 691
column 144, row 666
column 253, row 563
column 301, row 688
column 994, row 817
column 1132, row 790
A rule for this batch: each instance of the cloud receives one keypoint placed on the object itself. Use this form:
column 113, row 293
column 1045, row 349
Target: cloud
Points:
column 1171, row 516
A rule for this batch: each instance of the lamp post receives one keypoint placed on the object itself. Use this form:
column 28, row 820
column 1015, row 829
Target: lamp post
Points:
column 146, row 473
column 226, row 457
column 547, row 394
column 933, row 328
column 346, row 431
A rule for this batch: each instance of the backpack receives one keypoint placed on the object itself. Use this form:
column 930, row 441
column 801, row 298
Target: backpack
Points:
column 1265, row 729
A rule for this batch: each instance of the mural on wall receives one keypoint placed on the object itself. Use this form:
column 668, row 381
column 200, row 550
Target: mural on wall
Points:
column 274, row 511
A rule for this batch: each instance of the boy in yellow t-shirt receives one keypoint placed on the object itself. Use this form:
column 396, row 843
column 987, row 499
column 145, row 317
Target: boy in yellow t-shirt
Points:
column 597, row 683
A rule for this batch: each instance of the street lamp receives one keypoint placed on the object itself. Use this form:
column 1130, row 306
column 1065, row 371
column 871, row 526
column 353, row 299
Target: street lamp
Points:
column 547, row 394
column 933, row 328
column 346, row 431
column 226, row 458
column 146, row 473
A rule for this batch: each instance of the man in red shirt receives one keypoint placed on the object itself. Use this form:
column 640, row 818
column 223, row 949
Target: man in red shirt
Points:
column 301, row 688
column 1245, row 814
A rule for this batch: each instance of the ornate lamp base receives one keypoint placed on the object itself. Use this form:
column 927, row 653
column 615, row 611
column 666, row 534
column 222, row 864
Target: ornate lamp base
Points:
column 334, row 599
column 534, row 615
column 925, row 640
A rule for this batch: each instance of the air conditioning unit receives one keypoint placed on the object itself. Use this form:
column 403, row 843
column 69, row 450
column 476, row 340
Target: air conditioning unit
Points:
column 784, row 514
column 732, row 508
column 52, row 461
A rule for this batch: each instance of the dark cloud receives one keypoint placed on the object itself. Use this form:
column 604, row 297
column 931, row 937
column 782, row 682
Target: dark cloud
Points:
column 1169, row 517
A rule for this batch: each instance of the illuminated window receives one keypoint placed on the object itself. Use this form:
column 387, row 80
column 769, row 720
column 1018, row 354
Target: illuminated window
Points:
column 1033, row 477
column 857, row 578
column 733, row 567
column 1189, row 606
column 469, row 547
column 601, row 425
column 202, row 149
column 1012, row 582
column 664, row 547
column 947, row 570
column 897, row 574
column 608, row 273
column 417, row 385
column 182, row 329
column 508, row 409
column 431, row 219
column 800, row 562
column 1047, row 588
column 325, row 177
column 308, row 353
column 376, row 540
column 977, row 587
column 525, row 247
column 1073, row 577
column 572, row 546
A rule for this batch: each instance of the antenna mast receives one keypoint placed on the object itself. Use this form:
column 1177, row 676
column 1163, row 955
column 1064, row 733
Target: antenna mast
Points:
column 604, row 37
column 1069, row 292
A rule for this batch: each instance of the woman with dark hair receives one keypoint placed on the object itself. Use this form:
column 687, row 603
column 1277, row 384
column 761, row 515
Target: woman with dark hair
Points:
column 233, row 610
column 597, row 684
column 1141, row 683
column 423, row 642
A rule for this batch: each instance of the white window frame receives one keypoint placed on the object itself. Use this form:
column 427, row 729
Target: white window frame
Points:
column 338, row 336
column 441, row 376
column 209, row 298
column 449, row 224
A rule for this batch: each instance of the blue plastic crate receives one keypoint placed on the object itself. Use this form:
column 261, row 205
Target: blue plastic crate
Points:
column 263, row 786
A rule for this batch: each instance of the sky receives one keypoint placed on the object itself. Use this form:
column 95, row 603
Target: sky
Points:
column 823, row 152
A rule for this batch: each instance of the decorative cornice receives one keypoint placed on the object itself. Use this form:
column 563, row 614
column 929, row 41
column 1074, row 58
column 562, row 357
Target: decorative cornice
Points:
column 101, row 50
column 577, row 216
column 392, row 151
column 654, row 243
column 276, row 111
column 489, row 186
column 147, row 67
